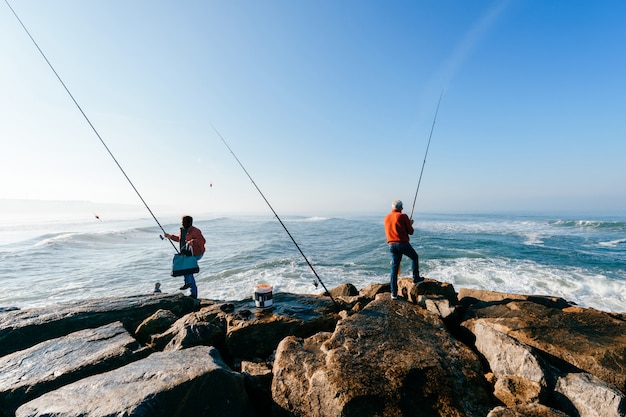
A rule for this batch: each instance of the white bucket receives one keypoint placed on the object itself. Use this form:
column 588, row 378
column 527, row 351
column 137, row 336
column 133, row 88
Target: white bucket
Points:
column 263, row 295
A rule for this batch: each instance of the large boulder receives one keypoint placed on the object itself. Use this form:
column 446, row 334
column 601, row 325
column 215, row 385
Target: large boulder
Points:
column 429, row 288
column 572, row 338
column 256, row 334
column 585, row 395
column 27, row 374
column 155, row 324
column 393, row 358
column 21, row 329
column 522, row 376
column 205, row 327
column 191, row 382
column 371, row 290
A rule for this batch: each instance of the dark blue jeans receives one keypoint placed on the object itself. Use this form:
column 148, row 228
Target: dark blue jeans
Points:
column 397, row 250
column 189, row 279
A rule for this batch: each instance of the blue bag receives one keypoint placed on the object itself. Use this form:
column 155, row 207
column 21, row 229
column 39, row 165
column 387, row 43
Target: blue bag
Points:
column 184, row 265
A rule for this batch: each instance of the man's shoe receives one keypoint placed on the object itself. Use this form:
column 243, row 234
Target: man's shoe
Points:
column 394, row 297
column 184, row 287
column 418, row 280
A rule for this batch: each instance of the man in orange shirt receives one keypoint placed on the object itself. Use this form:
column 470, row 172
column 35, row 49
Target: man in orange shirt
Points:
column 398, row 227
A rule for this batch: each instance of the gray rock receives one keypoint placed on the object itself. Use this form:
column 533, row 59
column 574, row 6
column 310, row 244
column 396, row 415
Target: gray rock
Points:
column 29, row 373
column 205, row 327
column 192, row 383
column 22, row 329
column 440, row 306
column 196, row 334
column 370, row 291
column 585, row 395
column 155, row 324
column 521, row 374
column 393, row 358
column 572, row 338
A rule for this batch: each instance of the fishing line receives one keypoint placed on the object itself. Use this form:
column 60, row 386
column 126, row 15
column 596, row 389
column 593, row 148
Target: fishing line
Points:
column 88, row 121
column 426, row 154
column 275, row 214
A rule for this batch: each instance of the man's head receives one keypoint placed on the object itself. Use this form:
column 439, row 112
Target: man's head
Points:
column 187, row 222
column 396, row 205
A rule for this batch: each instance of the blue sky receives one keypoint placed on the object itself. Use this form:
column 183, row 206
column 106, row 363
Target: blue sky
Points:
column 328, row 104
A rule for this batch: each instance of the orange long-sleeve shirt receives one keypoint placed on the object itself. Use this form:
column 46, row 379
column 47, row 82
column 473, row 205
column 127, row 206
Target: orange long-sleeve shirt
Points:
column 197, row 240
column 398, row 227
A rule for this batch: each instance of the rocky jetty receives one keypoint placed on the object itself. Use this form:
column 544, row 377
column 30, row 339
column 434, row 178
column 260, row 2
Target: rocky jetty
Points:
column 433, row 352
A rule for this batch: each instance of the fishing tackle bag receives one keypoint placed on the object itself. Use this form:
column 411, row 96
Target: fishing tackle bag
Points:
column 184, row 265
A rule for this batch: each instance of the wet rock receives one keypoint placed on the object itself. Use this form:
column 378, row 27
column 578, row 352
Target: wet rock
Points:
column 572, row 339
column 300, row 315
column 190, row 382
column 25, row 328
column 585, row 395
column 27, row 374
column 393, row 358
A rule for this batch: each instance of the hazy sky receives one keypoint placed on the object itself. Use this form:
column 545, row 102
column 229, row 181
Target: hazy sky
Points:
column 328, row 104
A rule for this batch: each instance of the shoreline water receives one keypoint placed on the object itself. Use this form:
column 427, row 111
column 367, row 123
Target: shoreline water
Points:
column 579, row 258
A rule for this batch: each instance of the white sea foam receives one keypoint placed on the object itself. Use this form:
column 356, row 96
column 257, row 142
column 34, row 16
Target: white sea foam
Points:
column 612, row 243
column 574, row 284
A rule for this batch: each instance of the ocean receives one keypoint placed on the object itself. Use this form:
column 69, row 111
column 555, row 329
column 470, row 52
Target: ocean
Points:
column 46, row 262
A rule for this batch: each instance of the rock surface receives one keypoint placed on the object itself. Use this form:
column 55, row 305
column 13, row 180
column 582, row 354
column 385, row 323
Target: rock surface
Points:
column 390, row 359
column 26, row 374
column 191, row 382
column 522, row 376
column 257, row 335
column 432, row 353
column 571, row 338
column 21, row 329
column 585, row 395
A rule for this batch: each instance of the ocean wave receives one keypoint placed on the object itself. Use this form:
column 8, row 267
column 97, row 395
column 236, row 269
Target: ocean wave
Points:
column 582, row 286
column 308, row 219
column 591, row 224
column 612, row 243
column 87, row 239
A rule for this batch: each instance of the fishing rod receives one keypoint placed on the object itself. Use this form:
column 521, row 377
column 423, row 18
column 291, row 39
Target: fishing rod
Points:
column 425, row 155
column 87, row 119
column 275, row 214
